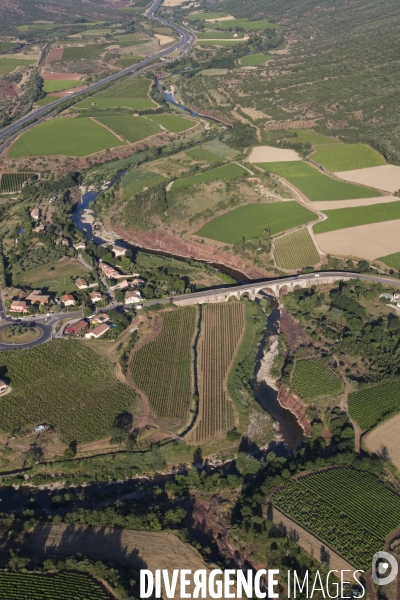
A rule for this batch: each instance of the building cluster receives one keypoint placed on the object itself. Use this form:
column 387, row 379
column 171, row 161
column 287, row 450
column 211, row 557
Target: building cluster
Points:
column 82, row 327
column 393, row 298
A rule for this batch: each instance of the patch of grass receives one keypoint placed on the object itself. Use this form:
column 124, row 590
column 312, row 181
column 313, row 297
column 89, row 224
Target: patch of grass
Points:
column 344, row 157
column 7, row 65
column 53, row 85
column 90, row 32
column 212, row 42
column 83, row 52
column 203, row 154
column 65, row 384
column 99, row 102
column 173, row 123
column 54, row 277
column 341, row 218
column 308, row 135
column 251, row 220
column 223, row 35
column 134, row 182
column 220, row 148
column 225, row 172
column 132, row 93
column 212, row 72
column 69, row 137
column 4, row 46
column 312, row 379
column 255, row 60
column 128, row 61
column 245, row 24
column 370, row 406
column 12, row 182
column 45, row 100
column 205, row 15
column 314, row 184
column 295, row 250
column 131, row 128
column 392, row 260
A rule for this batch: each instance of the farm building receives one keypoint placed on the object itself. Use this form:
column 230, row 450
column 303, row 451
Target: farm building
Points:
column 96, row 297
column 35, row 213
column 37, row 297
column 98, row 331
column 3, row 386
column 68, row 300
column 132, row 297
column 65, row 241
column 80, row 245
column 81, row 283
column 18, row 306
column 100, row 319
column 78, row 328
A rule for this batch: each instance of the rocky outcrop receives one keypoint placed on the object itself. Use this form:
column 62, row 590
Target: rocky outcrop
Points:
column 289, row 401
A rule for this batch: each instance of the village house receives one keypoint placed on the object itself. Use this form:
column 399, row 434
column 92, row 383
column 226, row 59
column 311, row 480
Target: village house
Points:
column 80, row 245
column 118, row 250
column 35, row 213
column 109, row 271
column 97, row 331
column 78, row 328
column 18, row 306
column 37, row 297
column 3, row 386
column 96, row 297
column 132, row 297
column 81, row 283
column 100, row 319
column 68, row 300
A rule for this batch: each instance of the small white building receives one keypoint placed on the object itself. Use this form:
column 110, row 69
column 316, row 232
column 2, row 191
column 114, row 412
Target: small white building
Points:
column 98, row 331
column 96, row 297
column 68, row 300
column 81, row 283
column 133, row 297
column 80, row 245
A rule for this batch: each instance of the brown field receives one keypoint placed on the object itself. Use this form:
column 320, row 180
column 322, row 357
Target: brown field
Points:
column 386, row 436
column 385, row 177
column 364, row 241
column 260, row 154
column 331, row 204
column 289, row 124
column 222, row 330
column 164, row 39
column 51, row 76
column 307, row 541
column 143, row 549
column 54, row 55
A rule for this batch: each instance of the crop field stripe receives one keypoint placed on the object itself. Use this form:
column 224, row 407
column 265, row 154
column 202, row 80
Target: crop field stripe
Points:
column 225, row 172
column 352, row 511
column 85, row 52
column 12, row 182
column 295, row 250
column 20, row 586
column 369, row 406
column 342, row 218
column 312, row 378
column 162, row 368
column 345, row 157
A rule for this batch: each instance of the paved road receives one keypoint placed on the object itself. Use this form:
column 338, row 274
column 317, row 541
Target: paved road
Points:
column 46, row 334
column 47, row 328
column 184, row 43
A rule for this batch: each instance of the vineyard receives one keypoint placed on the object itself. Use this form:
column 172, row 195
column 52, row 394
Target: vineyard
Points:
column 221, row 332
column 12, row 182
column 66, row 385
column 83, row 52
column 162, row 368
column 370, row 406
column 351, row 511
column 312, row 379
column 33, row 586
column 295, row 250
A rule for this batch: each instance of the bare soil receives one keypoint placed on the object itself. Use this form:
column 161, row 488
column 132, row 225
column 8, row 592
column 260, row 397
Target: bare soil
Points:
column 261, row 154
column 385, row 177
column 386, row 437
column 332, row 204
column 61, row 76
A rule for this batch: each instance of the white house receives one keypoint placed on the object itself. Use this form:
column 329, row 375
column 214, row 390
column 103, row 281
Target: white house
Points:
column 133, row 297
column 97, row 331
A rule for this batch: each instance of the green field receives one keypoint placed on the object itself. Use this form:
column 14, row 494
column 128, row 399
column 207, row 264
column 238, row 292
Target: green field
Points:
column 4, row 46
column 370, row 406
column 203, row 16
column 223, row 35
column 225, row 172
column 52, row 85
column 83, row 52
column 203, row 154
column 12, row 182
column 173, row 123
column 217, row 147
column 245, row 24
column 101, row 32
column 341, row 218
column 212, row 42
column 344, row 157
column 212, row 72
column 69, row 137
column 251, row 220
column 312, row 378
column 54, row 277
column 314, row 184
column 132, row 93
column 131, row 128
column 392, row 260
column 134, row 182
column 308, row 135
column 351, row 511
column 65, row 384
column 128, row 61
column 35, row 586
column 7, row 65
column 46, row 100
column 255, row 60
column 295, row 251
column 130, row 37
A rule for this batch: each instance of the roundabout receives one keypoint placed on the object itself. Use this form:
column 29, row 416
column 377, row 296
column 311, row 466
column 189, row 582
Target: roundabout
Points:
column 19, row 339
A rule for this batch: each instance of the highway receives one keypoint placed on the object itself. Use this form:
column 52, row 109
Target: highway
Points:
column 186, row 39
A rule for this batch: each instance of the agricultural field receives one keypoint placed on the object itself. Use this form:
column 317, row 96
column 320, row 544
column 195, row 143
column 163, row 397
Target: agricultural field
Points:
column 69, row 137
column 217, row 42
column 134, row 182
column 313, row 379
column 54, row 277
column 251, row 220
column 65, row 384
column 229, row 171
column 162, row 368
column 392, row 260
column 295, row 251
column 220, row 148
column 131, row 128
column 349, row 510
column 132, row 93
column 212, row 72
column 314, row 184
column 309, row 135
column 386, row 436
column 12, row 182
column 369, row 406
column 221, row 332
column 255, row 60
column 45, row 100
column 345, row 157
column 342, row 218
column 71, row 53
column 34, row 586
column 204, row 155
column 223, row 35
column 4, row 46
column 56, row 85
column 128, row 61
column 205, row 16
column 173, row 123
column 244, row 24
column 7, row 65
